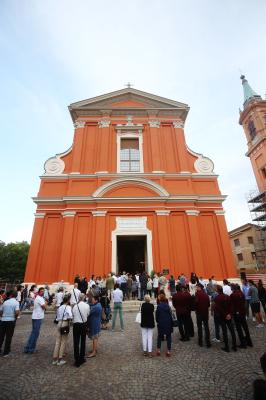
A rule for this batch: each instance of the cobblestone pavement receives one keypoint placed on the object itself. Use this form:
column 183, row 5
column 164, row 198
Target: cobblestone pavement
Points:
column 121, row 372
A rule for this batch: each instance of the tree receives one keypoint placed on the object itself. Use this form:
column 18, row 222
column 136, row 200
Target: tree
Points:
column 13, row 259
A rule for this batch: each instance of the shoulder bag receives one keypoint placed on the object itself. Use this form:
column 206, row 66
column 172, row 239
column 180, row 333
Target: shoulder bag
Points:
column 138, row 316
column 64, row 330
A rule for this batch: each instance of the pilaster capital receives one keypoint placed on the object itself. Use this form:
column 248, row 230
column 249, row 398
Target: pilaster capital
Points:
column 162, row 212
column 99, row 213
column 104, row 123
column 79, row 124
column 39, row 215
column 178, row 124
column 68, row 214
column 192, row 212
column 154, row 123
column 219, row 212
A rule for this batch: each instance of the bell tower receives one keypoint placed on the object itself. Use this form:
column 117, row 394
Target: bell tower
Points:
column 253, row 120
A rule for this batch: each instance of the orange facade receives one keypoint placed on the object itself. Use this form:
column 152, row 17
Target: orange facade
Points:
column 129, row 174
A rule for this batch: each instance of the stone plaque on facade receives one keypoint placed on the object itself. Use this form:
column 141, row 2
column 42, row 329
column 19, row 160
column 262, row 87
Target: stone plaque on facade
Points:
column 131, row 223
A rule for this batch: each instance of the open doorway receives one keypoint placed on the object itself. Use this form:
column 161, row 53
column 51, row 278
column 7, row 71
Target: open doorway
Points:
column 131, row 253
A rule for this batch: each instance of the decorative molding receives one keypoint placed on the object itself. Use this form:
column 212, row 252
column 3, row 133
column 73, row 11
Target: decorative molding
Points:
column 203, row 165
column 154, row 123
column 104, row 123
column 162, row 212
column 99, row 213
column 192, row 212
column 129, row 125
column 219, row 212
column 68, row 214
column 178, row 124
column 79, row 124
column 54, row 166
column 39, row 215
column 124, row 181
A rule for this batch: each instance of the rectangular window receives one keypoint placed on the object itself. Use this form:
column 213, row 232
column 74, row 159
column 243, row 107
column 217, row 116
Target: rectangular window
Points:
column 240, row 257
column 129, row 155
column 250, row 240
column 237, row 242
column 253, row 254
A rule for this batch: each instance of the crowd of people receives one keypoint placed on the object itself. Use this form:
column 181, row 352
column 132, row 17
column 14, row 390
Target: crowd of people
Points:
column 167, row 303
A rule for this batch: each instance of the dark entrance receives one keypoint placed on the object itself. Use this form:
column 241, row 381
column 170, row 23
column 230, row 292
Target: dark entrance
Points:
column 131, row 253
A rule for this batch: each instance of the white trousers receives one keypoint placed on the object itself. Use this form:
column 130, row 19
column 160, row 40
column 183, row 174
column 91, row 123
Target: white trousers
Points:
column 147, row 334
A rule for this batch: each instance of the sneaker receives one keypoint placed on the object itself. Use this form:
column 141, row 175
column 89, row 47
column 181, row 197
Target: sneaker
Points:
column 6, row 355
column 145, row 353
column 54, row 362
column 260, row 326
column 61, row 362
column 216, row 340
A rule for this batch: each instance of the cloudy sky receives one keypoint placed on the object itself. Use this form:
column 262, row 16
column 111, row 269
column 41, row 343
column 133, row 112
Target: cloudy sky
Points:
column 54, row 53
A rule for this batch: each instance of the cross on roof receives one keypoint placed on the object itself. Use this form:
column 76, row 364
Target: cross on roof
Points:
column 128, row 85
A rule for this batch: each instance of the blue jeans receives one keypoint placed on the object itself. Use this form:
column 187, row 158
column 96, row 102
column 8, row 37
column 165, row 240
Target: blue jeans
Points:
column 118, row 308
column 31, row 344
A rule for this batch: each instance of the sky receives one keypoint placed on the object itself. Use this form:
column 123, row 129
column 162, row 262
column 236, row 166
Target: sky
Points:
column 53, row 53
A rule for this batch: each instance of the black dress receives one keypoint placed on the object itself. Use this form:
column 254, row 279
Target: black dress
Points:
column 147, row 316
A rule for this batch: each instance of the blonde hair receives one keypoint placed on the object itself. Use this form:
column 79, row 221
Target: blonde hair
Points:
column 147, row 298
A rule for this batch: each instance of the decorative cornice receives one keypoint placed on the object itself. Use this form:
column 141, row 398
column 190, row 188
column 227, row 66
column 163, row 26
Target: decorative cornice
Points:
column 167, row 199
column 192, row 212
column 99, row 213
column 154, row 123
column 68, row 214
column 79, row 124
column 104, row 123
column 162, row 212
column 219, row 212
column 39, row 215
column 193, row 175
column 178, row 124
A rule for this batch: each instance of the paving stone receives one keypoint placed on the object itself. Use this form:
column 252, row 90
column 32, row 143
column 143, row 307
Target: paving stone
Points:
column 121, row 372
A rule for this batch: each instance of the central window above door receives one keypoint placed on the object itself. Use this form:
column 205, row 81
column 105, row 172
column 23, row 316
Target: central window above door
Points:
column 129, row 152
column 129, row 155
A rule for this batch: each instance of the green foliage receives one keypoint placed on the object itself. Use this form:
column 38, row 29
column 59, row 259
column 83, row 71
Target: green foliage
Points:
column 13, row 259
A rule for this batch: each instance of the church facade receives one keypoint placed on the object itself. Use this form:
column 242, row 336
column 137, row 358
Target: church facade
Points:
column 128, row 195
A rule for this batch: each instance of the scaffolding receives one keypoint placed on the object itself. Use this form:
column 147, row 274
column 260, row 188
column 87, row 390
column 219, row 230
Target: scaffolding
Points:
column 257, row 207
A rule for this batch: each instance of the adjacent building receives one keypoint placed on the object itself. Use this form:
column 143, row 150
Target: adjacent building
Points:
column 244, row 242
column 128, row 195
column 253, row 120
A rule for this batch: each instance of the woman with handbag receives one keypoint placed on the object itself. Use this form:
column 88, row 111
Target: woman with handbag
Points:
column 147, row 325
column 63, row 317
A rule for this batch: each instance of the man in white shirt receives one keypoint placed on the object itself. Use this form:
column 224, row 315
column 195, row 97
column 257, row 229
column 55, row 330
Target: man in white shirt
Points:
column 118, row 299
column 80, row 311
column 226, row 288
column 59, row 297
column 75, row 292
column 37, row 317
column 9, row 313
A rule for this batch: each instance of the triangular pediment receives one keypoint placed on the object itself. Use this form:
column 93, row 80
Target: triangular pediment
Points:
column 126, row 99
